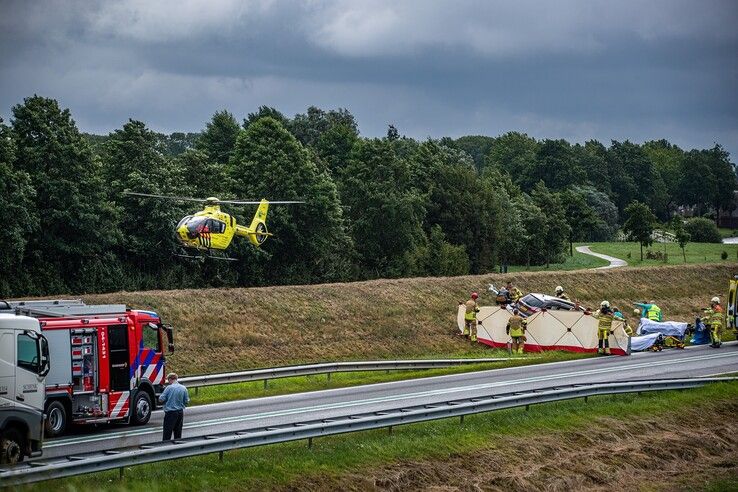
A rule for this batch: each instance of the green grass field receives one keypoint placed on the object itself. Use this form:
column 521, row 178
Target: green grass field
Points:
column 727, row 232
column 293, row 466
column 695, row 253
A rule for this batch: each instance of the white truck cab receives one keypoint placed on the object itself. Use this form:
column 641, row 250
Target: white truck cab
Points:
column 24, row 363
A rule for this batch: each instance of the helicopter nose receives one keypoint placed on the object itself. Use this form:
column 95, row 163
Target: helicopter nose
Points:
column 183, row 234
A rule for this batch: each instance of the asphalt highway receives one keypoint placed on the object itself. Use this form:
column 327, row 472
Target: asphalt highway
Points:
column 262, row 412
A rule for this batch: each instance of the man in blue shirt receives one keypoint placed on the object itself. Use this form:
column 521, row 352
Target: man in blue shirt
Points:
column 175, row 398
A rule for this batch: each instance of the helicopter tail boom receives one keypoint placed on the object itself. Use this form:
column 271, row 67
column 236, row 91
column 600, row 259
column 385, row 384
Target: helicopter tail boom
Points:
column 257, row 231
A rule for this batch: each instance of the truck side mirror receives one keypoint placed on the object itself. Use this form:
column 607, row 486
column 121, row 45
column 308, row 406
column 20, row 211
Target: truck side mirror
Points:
column 170, row 337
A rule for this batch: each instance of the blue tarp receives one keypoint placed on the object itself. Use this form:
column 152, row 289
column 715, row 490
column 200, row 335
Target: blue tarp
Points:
column 701, row 334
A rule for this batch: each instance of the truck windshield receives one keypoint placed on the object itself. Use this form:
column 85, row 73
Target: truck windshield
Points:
column 151, row 336
column 29, row 357
column 33, row 353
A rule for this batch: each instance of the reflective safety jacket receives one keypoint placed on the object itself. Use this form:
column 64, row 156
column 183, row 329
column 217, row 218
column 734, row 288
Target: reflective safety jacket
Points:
column 471, row 310
column 605, row 320
column 654, row 313
column 563, row 296
column 713, row 317
column 516, row 326
column 515, row 294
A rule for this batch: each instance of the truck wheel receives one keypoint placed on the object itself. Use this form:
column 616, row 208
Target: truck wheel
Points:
column 11, row 448
column 56, row 419
column 141, row 408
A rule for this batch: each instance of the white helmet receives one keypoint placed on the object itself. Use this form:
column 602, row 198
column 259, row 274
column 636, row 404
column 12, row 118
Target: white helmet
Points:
column 636, row 311
column 605, row 304
column 559, row 289
column 715, row 300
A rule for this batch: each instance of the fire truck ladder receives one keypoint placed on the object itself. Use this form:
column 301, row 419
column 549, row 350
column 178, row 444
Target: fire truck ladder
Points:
column 59, row 308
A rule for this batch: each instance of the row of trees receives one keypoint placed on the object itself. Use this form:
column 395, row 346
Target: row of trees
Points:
column 657, row 173
column 375, row 207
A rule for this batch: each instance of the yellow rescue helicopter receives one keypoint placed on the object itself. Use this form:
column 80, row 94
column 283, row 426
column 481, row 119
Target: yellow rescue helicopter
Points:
column 211, row 230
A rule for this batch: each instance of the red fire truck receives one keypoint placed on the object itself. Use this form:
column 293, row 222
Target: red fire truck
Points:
column 106, row 361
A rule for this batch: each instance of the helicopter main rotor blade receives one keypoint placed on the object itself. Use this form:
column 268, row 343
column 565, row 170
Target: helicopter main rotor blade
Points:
column 167, row 197
column 238, row 202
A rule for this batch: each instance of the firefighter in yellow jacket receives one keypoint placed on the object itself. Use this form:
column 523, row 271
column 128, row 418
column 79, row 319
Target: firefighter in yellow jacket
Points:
column 516, row 330
column 470, row 317
column 561, row 294
column 605, row 318
column 713, row 319
column 514, row 294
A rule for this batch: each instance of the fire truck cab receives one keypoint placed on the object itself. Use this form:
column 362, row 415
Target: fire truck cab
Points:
column 107, row 362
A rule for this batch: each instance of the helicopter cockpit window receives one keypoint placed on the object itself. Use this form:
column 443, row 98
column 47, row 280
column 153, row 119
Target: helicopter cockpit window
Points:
column 183, row 221
column 197, row 225
column 217, row 226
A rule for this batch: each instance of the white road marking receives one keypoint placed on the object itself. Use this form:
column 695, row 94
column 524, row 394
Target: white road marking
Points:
column 405, row 396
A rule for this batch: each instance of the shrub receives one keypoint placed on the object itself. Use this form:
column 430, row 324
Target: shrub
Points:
column 724, row 255
column 703, row 230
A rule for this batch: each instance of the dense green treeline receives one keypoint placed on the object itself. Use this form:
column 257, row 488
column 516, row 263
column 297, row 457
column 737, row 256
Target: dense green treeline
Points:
column 375, row 207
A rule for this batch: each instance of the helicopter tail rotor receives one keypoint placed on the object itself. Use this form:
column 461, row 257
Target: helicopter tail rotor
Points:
column 257, row 231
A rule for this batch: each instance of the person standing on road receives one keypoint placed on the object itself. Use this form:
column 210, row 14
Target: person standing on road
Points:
column 470, row 317
column 516, row 330
column 175, row 398
column 713, row 319
column 604, row 327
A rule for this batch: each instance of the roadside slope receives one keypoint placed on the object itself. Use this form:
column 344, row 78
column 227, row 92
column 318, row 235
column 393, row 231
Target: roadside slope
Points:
column 228, row 329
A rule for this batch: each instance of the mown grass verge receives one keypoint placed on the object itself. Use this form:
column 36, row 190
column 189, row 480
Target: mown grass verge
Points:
column 293, row 466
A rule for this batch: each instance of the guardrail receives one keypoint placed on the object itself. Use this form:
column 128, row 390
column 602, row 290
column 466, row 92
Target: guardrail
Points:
column 36, row 471
column 327, row 368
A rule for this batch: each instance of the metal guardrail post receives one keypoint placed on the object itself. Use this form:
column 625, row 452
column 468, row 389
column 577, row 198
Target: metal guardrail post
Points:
column 328, row 368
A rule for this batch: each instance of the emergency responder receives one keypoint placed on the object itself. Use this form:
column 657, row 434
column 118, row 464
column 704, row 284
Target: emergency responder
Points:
column 713, row 319
column 470, row 318
column 516, row 329
column 513, row 292
column 617, row 314
column 604, row 327
column 560, row 293
column 650, row 310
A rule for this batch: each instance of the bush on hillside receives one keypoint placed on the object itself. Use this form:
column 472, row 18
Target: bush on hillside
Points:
column 702, row 230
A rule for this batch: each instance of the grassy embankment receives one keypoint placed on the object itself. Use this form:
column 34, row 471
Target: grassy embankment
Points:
column 695, row 252
column 665, row 441
column 229, row 329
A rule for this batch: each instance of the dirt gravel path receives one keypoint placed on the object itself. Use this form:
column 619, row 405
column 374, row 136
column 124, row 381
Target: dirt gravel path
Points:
column 614, row 262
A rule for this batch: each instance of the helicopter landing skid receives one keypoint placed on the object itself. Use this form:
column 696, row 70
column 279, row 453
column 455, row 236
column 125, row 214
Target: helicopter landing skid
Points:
column 201, row 257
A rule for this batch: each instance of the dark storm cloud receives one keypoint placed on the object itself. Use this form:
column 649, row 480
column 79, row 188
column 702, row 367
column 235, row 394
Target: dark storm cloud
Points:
column 575, row 70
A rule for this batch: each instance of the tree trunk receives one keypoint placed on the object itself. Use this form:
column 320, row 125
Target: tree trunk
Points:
column 684, row 253
column 571, row 247
column 641, row 251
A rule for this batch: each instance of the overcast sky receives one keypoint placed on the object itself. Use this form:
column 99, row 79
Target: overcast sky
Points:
column 622, row 69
